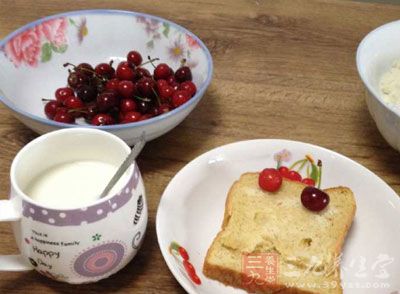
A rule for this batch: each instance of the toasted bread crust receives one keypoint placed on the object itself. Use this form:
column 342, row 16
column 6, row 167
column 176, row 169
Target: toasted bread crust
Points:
column 233, row 278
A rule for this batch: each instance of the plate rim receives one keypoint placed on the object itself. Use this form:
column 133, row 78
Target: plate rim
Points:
column 188, row 287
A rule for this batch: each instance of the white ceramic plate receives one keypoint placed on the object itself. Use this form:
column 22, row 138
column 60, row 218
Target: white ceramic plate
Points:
column 192, row 206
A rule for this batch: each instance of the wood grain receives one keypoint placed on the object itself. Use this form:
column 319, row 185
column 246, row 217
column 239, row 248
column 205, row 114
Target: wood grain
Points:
column 283, row 69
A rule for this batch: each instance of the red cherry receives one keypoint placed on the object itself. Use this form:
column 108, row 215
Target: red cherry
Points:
column 165, row 92
column 62, row 93
column 314, row 199
column 124, row 71
column 188, row 86
column 76, row 79
column 106, row 100
column 131, row 116
column 146, row 87
column 145, row 116
column 86, row 93
column 294, row 176
column 112, row 84
column 164, row 108
column 154, row 111
column 179, row 98
column 134, row 58
column 308, row 182
column 127, row 105
column 63, row 117
column 102, row 119
column 270, row 180
column 175, row 86
column 62, row 110
column 182, row 251
column 121, row 116
column 91, row 111
column 183, row 74
column 73, row 102
column 105, row 70
column 171, row 80
column 112, row 92
column 284, row 171
column 142, row 72
column 85, row 69
column 126, row 89
column 161, row 83
column 143, row 106
column 51, row 107
column 162, row 71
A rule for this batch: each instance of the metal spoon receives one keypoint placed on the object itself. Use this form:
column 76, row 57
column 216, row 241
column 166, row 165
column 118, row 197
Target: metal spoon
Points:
column 124, row 166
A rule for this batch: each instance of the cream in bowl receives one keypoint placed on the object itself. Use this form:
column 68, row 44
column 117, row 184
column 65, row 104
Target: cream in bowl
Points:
column 389, row 85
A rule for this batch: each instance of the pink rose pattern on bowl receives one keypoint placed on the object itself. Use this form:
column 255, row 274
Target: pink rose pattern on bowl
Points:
column 24, row 48
column 54, row 31
column 38, row 43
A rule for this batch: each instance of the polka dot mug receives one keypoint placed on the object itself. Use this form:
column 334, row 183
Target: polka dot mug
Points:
column 82, row 244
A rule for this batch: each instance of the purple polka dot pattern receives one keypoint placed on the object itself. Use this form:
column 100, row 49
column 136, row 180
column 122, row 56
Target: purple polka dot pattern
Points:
column 99, row 260
column 85, row 215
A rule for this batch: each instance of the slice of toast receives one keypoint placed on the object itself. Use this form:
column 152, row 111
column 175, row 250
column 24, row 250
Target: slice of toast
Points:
column 306, row 245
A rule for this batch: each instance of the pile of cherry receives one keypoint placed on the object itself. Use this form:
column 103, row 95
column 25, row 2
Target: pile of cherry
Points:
column 104, row 96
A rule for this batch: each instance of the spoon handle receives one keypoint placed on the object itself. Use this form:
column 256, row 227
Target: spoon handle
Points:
column 124, row 166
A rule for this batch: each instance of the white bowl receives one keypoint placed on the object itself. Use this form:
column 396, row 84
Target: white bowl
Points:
column 375, row 56
column 31, row 60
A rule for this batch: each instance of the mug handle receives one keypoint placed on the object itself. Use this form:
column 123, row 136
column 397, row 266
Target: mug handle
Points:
column 14, row 263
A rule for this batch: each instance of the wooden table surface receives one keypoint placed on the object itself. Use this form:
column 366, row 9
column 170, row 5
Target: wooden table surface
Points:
column 283, row 69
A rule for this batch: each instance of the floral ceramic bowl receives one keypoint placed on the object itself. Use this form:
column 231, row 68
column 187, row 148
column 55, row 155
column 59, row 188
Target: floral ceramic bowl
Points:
column 31, row 60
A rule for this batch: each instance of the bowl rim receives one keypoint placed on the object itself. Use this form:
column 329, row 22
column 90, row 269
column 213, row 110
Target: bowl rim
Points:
column 196, row 98
column 361, row 46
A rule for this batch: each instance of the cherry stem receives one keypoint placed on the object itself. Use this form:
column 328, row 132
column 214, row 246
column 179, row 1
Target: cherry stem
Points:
column 150, row 61
column 101, row 78
column 69, row 64
column 111, row 62
column 278, row 164
column 47, row 100
column 142, row 99
column 81, row 110
column 149, row 58
column 319, row 164
column 158, row 98
column 183, row 61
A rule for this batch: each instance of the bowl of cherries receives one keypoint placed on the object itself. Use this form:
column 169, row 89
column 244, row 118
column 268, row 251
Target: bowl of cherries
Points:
column 123, row 72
